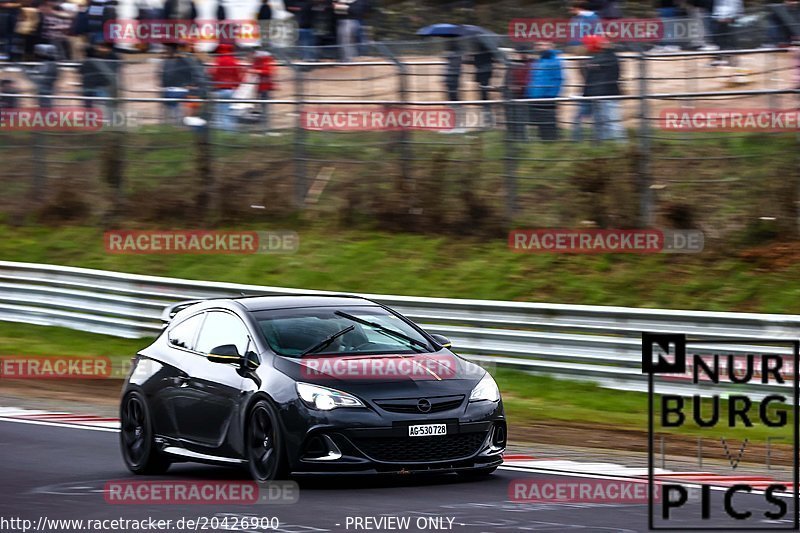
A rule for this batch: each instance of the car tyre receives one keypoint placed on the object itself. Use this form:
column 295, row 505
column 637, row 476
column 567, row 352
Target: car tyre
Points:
column 137, row 439
column 266, row 459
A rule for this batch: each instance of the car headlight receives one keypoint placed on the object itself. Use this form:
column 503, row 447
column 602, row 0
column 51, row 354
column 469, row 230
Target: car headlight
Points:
column 325, row 399
column 486, row 389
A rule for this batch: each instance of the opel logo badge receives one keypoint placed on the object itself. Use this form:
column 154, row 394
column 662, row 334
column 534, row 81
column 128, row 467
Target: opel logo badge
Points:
column 424, row 406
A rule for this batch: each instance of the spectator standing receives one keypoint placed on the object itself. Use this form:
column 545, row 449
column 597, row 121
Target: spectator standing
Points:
column 264, row 18
column 517, row 76
column 8, row 22
column 45, row 74
column 348, row 26
column 324, row 19
column 303, row 11
column 8, row 100
column 227, row 74
column 98, row 12
column 179, row 72
column 546, row 80
column 584, row 22
column 699, row 12
column 264, row 11
column 100, row 71
column 784, row 23
column 55, row 28
column 723, row 16
column 263, row 69
column 452, row 76
column 483, row 61
column 28, row 30
column 602, row 77
column 670, row 11
column 180, row 10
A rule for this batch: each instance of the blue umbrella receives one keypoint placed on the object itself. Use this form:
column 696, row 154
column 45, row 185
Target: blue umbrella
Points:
column 442, row 30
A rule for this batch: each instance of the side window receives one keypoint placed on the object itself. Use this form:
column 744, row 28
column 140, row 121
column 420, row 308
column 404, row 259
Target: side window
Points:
column 219, row 329
column 182, row 335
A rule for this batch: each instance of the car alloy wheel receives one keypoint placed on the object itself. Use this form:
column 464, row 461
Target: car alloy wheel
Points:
column 136, row 437
column 264, row 445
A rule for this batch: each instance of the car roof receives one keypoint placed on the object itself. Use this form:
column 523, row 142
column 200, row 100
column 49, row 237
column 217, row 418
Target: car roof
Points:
column 265, row 303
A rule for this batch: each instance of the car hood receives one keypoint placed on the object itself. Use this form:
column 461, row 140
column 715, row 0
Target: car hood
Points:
column 441, row 372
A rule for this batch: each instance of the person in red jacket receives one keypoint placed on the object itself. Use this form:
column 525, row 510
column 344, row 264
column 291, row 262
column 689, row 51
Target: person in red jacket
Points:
column 226, row 75
column 263, row 69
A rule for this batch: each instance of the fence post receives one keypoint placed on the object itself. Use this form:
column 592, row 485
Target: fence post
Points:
column 39, row 178
column 407, row 183
column 510, row 153
column 204, row 148
column 300, row 155
column 643, row 172
column 114, row 144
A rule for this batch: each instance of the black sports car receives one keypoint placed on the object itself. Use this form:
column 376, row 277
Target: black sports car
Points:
column 308, row 384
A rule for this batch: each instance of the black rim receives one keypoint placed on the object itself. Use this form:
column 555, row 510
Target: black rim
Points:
column 134, row 430
column 263, row 456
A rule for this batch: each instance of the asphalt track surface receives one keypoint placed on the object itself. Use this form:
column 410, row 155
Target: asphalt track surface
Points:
column 59, row 473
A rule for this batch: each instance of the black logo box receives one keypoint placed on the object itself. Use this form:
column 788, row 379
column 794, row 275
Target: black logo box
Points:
column 678, row 366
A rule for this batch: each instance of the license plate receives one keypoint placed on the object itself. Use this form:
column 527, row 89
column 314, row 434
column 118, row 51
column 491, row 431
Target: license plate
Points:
column 427, row 430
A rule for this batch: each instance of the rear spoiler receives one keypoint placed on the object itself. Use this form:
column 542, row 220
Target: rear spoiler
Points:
column 171, row 310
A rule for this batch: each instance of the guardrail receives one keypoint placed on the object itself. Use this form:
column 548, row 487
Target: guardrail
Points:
column 601, row 344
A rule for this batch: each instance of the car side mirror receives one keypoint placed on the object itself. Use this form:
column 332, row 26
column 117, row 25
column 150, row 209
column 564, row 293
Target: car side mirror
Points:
column 250, row 361
column 226, row 354
column 442, row 340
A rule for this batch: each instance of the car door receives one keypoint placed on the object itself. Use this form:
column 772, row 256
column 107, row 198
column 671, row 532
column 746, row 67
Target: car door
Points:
column 212, row 392
column 172, row 374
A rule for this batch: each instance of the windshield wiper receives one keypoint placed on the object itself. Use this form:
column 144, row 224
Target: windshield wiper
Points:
column 328, row 340
column 383, row 329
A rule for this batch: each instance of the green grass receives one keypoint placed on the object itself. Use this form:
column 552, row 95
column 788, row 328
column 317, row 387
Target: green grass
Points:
column 26, row 340
column 455, row 267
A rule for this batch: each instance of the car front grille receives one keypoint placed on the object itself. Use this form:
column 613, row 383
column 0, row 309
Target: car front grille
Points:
column 421, row 449
column 411, row 405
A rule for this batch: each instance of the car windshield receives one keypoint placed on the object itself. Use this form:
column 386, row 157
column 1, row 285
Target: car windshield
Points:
column 355, row 330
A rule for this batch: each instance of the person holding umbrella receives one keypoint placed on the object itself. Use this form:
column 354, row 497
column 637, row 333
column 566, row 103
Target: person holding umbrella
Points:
column 482, row 59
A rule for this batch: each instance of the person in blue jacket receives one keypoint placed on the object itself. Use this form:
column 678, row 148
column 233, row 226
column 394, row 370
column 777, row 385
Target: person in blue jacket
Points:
column 546, row 79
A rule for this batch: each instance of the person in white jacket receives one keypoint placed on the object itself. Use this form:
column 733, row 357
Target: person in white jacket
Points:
column 723, row 15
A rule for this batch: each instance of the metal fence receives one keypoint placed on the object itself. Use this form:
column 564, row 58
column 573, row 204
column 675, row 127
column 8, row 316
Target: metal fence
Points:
column 599, row 344
column 494, row 170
